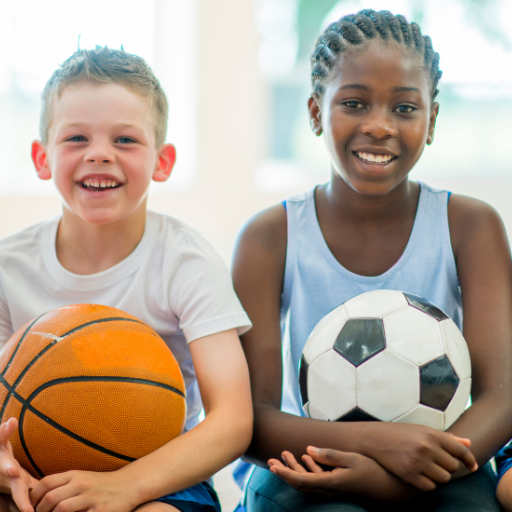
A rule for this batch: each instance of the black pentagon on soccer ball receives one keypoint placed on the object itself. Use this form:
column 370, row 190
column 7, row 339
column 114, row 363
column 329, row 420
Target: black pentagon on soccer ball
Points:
column 360, row 339
column 438, row 383
column 426, row 306
column 357, row 414
column 303, row 380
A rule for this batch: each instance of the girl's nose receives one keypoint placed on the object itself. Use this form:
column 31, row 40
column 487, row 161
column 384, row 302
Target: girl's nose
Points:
column 379, row 125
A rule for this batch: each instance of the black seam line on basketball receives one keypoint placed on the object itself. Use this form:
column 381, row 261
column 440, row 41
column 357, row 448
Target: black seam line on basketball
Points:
column 23, row 336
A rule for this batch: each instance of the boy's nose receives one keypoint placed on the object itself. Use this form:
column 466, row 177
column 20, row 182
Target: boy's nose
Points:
column 99, row 154
column 379, row 125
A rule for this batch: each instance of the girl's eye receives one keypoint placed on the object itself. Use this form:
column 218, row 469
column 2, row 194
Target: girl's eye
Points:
column 405, row 109
column 125, row 140
column 356, row 105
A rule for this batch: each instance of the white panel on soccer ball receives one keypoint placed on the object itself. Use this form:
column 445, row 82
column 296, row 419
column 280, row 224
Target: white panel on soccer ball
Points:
column 375, row 304
column 458, row 404
column 314, row 413
column 456, row 349
column 413, row 334
column 423, row 415
column 325, row 332
column 388, row 386
column 331, row 385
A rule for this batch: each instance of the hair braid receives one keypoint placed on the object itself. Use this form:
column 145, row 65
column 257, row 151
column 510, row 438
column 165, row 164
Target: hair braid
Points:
column 357, row 29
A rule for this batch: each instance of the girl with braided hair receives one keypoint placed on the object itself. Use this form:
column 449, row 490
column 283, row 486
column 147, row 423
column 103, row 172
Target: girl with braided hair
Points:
column 374, row 85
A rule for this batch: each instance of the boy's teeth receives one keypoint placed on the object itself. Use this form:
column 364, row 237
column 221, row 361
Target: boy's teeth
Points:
column 373, row 158
column 94, row 183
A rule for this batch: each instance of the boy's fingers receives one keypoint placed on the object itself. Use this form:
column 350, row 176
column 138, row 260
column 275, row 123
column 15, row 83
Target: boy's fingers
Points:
column 7, row 428
column 9, row 469
column 19, row 492
column 464, row 440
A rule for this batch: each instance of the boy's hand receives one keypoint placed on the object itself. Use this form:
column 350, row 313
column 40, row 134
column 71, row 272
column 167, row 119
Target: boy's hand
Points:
column 418, row 455
column 75, row 491
column 352, row 475
column 14, row 480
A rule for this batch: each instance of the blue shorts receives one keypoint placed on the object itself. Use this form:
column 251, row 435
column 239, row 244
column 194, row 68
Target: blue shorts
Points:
column 200, row 498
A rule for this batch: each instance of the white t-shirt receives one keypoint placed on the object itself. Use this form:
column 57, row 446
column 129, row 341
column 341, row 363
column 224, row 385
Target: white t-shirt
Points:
column 174, row 281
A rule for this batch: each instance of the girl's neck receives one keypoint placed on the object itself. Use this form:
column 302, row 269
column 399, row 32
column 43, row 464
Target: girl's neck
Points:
column 365, row 210
column 84, row 248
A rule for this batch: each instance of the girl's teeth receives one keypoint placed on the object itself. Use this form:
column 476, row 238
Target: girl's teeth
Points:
column 373, row 158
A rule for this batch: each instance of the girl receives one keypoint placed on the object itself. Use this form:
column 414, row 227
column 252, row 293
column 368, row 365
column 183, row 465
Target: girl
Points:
column 374, row 83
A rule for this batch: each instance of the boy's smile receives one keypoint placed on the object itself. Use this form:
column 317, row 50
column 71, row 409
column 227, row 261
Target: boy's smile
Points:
column 101, row 152
column 376, row 115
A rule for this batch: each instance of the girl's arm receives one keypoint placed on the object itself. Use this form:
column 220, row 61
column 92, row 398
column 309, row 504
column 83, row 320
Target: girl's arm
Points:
column 418, row 455
column 484, row 268
column 191, row 458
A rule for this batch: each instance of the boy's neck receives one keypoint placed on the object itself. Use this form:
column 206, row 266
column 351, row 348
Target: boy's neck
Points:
column 84, row 248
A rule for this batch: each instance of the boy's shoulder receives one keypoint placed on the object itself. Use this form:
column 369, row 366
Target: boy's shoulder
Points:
column 28, row 239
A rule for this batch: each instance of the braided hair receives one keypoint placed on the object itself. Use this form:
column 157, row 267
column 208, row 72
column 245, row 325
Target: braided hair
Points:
column 356, row 29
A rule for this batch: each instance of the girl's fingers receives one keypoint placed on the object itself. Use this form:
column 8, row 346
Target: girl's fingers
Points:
column 292, row 463
column 331, row 457
column 460, row 451
column 311, row 464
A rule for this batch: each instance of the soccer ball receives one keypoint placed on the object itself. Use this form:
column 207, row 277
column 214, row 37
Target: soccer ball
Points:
column 386, row 356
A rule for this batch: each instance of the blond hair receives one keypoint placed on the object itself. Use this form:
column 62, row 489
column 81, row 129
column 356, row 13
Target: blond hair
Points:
column 106, row 66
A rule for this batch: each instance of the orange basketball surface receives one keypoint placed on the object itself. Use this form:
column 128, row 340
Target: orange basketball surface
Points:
column 93, row 388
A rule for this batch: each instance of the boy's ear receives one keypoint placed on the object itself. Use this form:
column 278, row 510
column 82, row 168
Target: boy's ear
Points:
column 434, row 111
column 166, row 161
column 40, row 159
column 315, row 114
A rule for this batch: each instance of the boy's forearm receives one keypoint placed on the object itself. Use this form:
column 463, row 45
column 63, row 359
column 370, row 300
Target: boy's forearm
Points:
column 504, row 491
column 190, row 458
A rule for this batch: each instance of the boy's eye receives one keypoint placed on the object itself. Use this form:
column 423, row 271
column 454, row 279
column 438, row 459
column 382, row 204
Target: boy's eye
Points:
column 76, row 138
column 357, row 105
column 125, row 140
column 405, row 109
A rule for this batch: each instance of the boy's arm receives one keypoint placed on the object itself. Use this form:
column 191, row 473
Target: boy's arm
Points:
column 504, row 488
column 418, row 455
column 484, row 269
column 191, row 458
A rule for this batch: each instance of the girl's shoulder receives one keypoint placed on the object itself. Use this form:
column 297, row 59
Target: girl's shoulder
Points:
column 472, row 222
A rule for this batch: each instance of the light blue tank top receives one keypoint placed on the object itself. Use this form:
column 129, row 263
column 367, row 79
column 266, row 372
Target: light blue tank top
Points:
column 315, row 282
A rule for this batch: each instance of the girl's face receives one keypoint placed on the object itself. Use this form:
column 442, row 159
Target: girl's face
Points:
column 376, row 115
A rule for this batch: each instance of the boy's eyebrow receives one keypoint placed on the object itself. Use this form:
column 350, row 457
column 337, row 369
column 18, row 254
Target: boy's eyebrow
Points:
column 120, row 125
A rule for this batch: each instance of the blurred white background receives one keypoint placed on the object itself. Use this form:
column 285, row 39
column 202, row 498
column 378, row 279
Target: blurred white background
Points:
column 237, row 77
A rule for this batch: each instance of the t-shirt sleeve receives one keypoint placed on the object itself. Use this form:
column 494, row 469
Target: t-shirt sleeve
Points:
column 5, row 320
column 200, row 292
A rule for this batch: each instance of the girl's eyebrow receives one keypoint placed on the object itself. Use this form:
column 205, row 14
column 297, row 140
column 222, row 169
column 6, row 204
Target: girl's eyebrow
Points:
column 406, row 89
column 367, row 88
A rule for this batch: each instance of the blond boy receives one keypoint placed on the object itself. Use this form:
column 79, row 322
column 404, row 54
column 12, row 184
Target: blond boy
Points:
column 103, row 127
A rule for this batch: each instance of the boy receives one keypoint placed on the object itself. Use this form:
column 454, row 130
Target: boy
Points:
column 103, row 128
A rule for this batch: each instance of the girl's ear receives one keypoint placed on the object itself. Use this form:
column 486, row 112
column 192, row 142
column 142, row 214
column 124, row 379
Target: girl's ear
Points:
column 40, row 159
column 165, row 164
column 434, row 110
column 315, row 114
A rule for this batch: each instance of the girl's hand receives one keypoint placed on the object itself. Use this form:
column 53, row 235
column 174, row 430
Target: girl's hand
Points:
column 75, row 491
column 418, row 455
column 352, row 475
column 14, row 480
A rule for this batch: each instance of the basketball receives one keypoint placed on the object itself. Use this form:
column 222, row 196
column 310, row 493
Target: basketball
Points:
column 93, row 388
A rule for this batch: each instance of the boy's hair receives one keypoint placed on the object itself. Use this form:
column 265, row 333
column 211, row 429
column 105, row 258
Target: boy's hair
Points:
column 106, row 66
column 356, row 29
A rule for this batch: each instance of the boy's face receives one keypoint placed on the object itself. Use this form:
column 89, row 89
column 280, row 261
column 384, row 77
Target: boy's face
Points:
column 101, row 152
